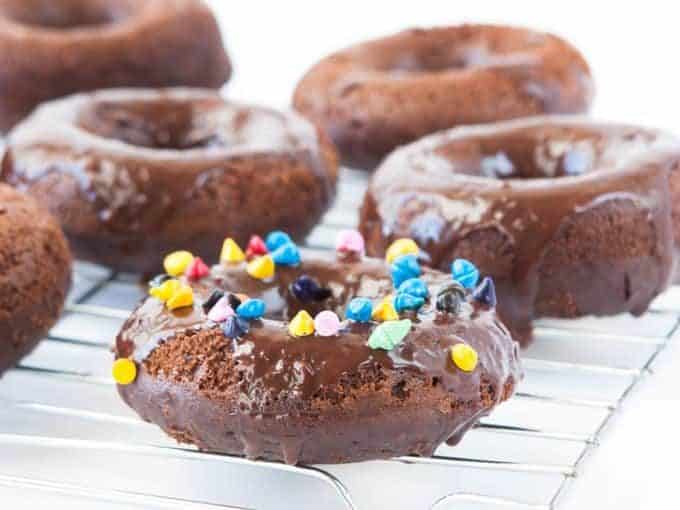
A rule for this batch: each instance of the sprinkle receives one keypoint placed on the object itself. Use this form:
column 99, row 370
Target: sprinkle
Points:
column 450, row 297
column 407, row 302
column 404, row 268
column 401, row 247
column 165, row 291
column 197, row 269
column 276, row 238
column 385, row 311
column 465, row 272
column 231, row 252
column 389, row 334
column 261, row 267
column 302, row 324
column 414, row 287
column 235, row 300
column 307, row 289
column 177, row 262
column 251, row 309
column 359, row 310
column 350, row 242
column 286, row 255
column 216, row 295
column 485, row 293
column 221, row 311
column 159, row 280
column 255, row 247
column 124, row 371
column 235, row 327
column 327, row 323
column 183, row 296
column 464, row 357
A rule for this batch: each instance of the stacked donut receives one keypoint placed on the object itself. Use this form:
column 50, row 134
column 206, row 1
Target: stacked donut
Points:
column 490, row 207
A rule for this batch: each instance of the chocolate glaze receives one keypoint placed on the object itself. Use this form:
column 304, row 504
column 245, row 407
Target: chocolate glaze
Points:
column 380, row 94
column 134, row 174
column 315, row 399
column 569, row 217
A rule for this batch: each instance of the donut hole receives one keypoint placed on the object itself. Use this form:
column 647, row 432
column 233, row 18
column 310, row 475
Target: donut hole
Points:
column 169, row 124
column 67, row 14
column 557, row 151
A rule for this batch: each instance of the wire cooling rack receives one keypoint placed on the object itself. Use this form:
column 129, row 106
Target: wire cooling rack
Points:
column 67, row 439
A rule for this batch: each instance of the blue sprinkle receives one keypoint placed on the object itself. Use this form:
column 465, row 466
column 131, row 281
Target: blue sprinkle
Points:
column 275, row 239
column 407, row 302
column 359, row 309
column 465, row 273
column 235, row 327
column 251, row 309
column 286, row 255
column 405, row 268
column 414, row 287
column 485, row 293
column 306, row 289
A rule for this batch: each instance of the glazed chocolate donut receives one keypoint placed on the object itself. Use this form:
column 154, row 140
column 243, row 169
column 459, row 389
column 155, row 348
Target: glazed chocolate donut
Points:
column 134, row 173
column 276, row 387
column 380, row 94
column 52, row 48
column 569, row 217
column 35, row 274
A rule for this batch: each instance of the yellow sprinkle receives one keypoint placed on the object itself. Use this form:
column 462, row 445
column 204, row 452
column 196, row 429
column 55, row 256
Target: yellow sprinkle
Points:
column 183, row 296
column 464, row 357
column 231, row 252
column 401, row 247
column 176, row 263
column 165, row 290
column 385, row 311
column 261, row 267
column 302, row 324
column 124, row 371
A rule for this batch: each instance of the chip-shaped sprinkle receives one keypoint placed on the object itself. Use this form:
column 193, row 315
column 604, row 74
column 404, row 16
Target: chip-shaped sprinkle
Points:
column 359, row 309
column 197, row 269
column 326, row 323
column 261, row 268
column 389, row 334
column 349, row 242
column 286, row 255
column 385, row 311
column 276, row 238
column 231, row 252
column 221, row 310
column 464, row 357
column 215, row 296
column 165, row 290
column 407, row 302
column 414, row 287
column 450, row 298
column 485, row 292
column 124, row 371
column 177, row 262
column 465, row 273
column 401, row 247
column 302, row 324
column 307, row 289
column 404, row 268
column 256, row 247
column 183, row 296
column 235, row 327
column 251, row 309
column 159, row 279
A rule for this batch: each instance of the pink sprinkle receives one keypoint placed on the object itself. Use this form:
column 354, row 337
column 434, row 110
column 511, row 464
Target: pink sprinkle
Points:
column 349, row 241
column 221, row 311
column 197, row 269
column 326, row 323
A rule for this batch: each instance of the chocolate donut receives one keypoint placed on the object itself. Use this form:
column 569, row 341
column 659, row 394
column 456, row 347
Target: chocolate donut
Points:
column 380, row 94
column 52, row 48
column 282, row 387
column 135, row 173
column 35, row 274
column 569, row 217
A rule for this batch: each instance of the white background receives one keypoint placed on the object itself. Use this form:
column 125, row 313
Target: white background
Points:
column 632, row 48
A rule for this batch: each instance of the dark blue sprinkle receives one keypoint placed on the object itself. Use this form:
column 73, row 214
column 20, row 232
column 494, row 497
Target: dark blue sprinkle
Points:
column 234, row 301
column 485, row 293
column 307, row 289
column 450, row 298
column 235, row 327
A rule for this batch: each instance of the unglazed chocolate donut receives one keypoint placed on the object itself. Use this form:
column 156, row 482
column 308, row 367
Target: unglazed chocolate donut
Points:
column 135, row 173
column 51, row 48
column 266, row 393
column 568, row 216
column 35, row 274
column 380, row 94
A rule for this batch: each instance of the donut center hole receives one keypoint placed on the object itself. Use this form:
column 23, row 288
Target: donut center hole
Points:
column 168, row 124
column 66, row 14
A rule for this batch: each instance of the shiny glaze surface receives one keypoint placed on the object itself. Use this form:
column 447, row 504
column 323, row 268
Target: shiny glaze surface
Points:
column 526, row 180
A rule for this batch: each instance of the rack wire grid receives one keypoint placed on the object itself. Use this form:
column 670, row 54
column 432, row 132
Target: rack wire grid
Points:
column 66, row 437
